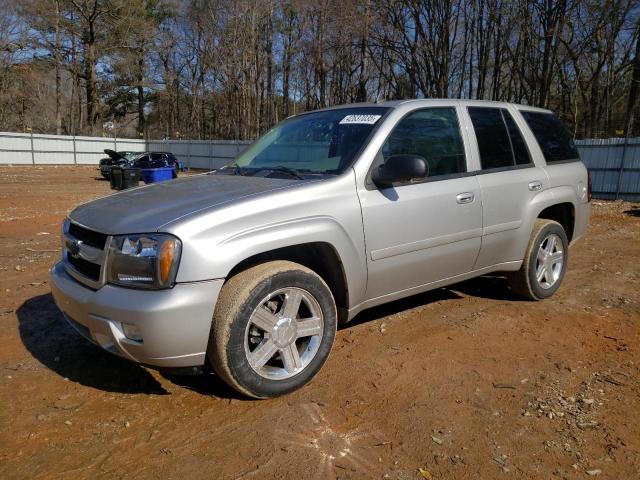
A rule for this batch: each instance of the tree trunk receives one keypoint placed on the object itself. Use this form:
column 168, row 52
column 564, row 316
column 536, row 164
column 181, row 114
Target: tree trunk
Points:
column 633, row 90
column 140, row 91
column 91, row 79
column 58, row 66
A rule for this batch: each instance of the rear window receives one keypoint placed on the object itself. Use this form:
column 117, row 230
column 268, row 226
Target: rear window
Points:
column 552, row 136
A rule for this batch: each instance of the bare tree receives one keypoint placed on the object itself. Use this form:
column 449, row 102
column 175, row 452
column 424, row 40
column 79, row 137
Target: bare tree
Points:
column 231, row 69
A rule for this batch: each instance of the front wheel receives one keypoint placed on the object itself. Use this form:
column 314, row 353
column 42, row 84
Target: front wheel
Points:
column 544, row 264
column 273, row 328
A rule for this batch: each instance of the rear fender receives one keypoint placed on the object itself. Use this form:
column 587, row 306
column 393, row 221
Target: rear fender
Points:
column 545, row 199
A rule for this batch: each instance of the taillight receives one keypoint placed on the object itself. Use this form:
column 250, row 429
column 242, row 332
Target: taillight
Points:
column 589, row 187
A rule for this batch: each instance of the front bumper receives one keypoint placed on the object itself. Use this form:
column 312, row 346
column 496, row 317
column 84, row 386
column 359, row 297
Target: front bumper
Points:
column 174, row 323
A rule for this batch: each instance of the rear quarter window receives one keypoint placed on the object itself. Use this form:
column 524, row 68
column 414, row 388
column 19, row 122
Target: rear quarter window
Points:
column 552, row 136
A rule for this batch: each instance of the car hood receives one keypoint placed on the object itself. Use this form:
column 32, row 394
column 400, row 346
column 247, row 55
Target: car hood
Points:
column 113, row 154
column 148, row 208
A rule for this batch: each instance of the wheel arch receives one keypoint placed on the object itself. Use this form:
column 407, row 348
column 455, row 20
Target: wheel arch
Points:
column 321, row 257
column 564, row 213
column 558, row 204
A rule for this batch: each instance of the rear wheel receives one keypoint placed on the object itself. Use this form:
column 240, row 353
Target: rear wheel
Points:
column 273, row 328
column 544, row 264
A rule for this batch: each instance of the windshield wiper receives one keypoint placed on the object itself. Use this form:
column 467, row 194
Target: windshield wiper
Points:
column 248, row 171
column 232, row 169
column 291, row 171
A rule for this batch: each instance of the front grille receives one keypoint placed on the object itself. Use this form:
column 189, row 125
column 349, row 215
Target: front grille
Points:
column 88, row 269
column 89, row 237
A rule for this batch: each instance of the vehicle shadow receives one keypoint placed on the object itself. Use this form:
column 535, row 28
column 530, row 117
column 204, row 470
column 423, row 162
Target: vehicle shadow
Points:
column 402, row 305
column 55, row 344
column 207, row 383
column 633, row 212
column 492, row 287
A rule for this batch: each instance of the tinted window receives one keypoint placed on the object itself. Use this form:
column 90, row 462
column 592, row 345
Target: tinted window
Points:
column 552, row 136
column 520, row 151
column 499, row 139
column 434, row 134
column 493, row 139
column 156, row 156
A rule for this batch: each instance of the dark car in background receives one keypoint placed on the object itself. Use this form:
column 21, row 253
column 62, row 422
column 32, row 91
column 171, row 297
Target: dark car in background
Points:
column 115, row 159
column 141, row 160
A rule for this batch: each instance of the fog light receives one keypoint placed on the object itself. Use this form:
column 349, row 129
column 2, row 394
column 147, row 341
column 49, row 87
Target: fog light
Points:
column 132, row 332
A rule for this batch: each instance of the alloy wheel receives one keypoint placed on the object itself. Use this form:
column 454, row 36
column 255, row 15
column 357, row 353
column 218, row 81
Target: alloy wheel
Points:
column 284, row 333
column 549, row 261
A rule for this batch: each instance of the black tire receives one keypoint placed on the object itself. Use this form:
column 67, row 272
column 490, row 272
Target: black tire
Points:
column 239, row 297
column 524, row 282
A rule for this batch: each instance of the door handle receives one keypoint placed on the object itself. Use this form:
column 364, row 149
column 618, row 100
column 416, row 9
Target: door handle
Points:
column 535, row 186
column 466, row 197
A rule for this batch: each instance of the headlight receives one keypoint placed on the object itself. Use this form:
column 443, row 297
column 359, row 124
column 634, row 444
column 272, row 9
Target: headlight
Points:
column 143, row 261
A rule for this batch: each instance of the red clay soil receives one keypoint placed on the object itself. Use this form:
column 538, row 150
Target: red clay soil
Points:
column 462, row 382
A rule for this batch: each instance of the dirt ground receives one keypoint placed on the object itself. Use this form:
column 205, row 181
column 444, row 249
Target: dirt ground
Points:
column 462, row 382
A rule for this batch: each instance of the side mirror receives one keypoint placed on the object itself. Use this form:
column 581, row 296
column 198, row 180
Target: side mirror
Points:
column 400, row 168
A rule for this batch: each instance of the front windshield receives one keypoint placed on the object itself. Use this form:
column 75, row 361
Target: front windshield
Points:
column 324, row 142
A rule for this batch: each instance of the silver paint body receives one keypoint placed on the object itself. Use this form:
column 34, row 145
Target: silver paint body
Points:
column 392, row 243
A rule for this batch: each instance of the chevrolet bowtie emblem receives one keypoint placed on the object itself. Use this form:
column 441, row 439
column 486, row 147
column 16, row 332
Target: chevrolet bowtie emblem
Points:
column 73, row 247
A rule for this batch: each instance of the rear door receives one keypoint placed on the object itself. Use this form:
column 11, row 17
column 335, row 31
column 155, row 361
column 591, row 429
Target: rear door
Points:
column 509, row 179
column 421, row 232
column 559, row 151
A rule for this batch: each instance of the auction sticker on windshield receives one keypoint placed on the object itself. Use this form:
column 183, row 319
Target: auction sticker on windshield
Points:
column 362, row 119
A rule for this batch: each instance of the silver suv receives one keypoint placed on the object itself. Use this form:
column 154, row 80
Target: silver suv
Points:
column 250, row 268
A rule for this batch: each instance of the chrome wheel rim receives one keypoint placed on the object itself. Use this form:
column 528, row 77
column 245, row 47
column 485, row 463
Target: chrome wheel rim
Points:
column 283, row 334
column 549, row 261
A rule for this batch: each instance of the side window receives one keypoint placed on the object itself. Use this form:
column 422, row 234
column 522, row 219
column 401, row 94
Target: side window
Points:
column 432, row 133
column 552, row 136
column 520, row 150
column 499, row 140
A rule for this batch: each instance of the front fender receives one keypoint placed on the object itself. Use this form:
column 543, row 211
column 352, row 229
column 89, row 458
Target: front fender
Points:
column 319, row 228
column 214, row 242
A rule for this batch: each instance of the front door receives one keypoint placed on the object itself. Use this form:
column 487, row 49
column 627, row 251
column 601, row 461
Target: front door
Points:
column 419, row 233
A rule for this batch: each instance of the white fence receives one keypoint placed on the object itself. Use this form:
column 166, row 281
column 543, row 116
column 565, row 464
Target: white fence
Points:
column 26, row 149
column 614, row 163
